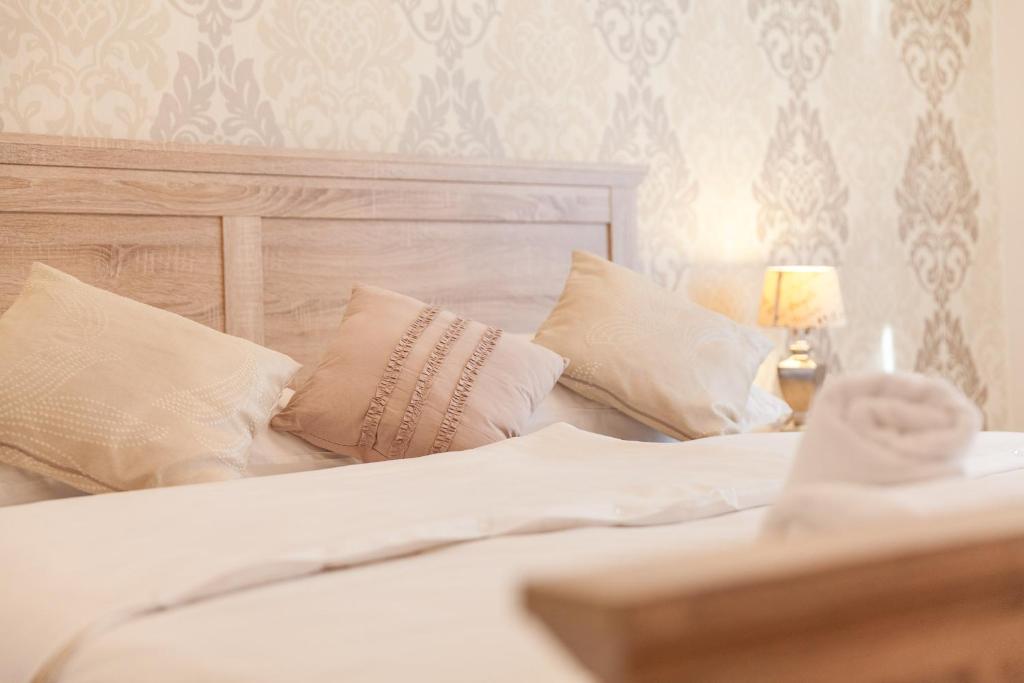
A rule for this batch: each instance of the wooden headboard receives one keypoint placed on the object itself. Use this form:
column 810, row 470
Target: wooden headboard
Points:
column 266, row 244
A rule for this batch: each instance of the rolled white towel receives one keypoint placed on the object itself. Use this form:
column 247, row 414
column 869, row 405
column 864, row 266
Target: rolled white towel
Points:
column 885, row 429
column 866, row 434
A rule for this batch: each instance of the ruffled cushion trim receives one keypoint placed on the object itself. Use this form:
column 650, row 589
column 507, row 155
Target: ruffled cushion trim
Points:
column 411, row 417
column 457, row 404
column 386, row 384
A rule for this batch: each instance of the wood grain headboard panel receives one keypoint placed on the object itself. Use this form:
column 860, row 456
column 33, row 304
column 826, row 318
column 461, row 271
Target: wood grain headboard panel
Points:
column 266, row 244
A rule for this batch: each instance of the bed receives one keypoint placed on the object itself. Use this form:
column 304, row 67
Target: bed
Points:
column 408, row 569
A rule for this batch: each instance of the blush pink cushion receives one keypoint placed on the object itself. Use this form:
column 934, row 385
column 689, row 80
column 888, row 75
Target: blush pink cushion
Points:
column 403, row 379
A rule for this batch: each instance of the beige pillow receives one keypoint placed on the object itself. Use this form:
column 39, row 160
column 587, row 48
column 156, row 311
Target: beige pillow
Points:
column 104, row 393
column 403, row 379
column 667, row 362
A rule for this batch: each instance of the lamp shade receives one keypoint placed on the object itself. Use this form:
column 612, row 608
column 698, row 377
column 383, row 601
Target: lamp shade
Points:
column 801, row 297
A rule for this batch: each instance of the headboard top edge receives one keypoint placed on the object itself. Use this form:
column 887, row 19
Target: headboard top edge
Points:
column 53, row 150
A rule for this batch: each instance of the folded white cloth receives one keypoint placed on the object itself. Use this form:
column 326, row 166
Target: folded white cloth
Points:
column 865, row 433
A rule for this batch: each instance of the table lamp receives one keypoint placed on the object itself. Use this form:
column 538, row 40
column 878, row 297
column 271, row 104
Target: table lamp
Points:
column 801, row 298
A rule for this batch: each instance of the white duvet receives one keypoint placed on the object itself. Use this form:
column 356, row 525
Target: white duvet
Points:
column 312, row 576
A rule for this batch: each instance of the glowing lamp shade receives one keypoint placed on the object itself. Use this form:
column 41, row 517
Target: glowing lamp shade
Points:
column 801, row 298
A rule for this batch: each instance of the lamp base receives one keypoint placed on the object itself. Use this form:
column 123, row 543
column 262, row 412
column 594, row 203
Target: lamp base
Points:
column 799, row 378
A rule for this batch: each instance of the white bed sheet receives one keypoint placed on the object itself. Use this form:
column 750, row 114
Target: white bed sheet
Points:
column 450, row 614
column 73, row 568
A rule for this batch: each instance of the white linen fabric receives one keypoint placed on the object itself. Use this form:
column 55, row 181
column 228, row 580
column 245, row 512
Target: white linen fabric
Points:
column 451, row 614
column 836, row 506
column 764, row 412
column 111, row 557
column 885, row 429
column 274, row 452
column 565, row 405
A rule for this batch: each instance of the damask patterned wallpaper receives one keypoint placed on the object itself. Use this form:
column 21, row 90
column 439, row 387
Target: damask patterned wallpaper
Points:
column 848, row 132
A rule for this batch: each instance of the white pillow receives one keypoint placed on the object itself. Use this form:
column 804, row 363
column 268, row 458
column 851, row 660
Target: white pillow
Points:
column 565, row 405
column 275, row 452
column 764, row 411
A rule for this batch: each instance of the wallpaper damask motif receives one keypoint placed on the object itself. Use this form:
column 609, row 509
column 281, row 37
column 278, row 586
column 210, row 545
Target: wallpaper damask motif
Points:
column 641, row 35
column 450, row 116
column 801, row 196
column 847, row 132
column 938, row 203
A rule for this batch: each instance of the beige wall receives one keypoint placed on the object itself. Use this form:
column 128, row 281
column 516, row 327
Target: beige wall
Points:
column 853, row 132
column 1009, row 101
